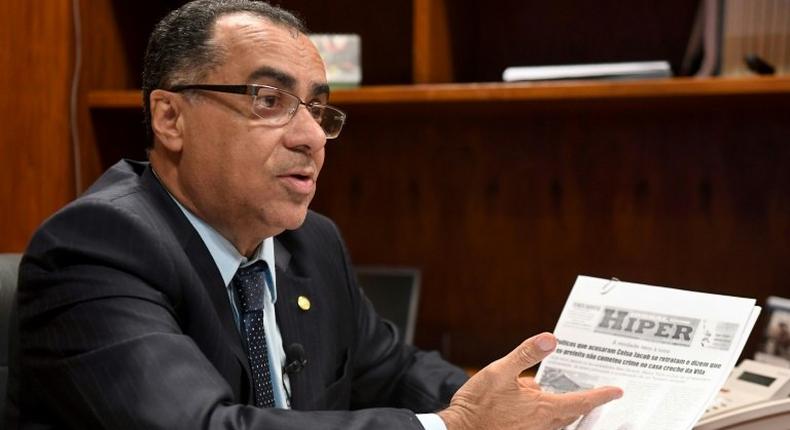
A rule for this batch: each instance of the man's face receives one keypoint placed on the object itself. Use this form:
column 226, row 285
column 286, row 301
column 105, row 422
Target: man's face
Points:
column 243, row 177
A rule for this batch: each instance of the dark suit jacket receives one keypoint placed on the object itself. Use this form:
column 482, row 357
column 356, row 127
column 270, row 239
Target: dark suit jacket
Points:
column 124, row 322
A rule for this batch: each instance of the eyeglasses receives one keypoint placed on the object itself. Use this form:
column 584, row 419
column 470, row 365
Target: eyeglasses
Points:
column 277, row 107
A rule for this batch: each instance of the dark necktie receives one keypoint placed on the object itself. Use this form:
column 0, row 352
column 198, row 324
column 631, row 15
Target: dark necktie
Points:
column 249, row 283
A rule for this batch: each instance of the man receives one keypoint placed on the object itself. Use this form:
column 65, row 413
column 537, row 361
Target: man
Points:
column 198, row 291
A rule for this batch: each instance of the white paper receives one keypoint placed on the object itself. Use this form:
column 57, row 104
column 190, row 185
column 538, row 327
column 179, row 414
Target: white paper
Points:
column 646, row 69
column 669, row 350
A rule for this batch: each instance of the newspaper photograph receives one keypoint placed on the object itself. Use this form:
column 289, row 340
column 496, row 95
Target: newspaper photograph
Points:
column 669, row 350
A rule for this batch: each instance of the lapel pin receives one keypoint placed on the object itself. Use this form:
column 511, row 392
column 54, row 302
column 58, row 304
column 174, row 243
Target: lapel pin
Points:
column 304, row 303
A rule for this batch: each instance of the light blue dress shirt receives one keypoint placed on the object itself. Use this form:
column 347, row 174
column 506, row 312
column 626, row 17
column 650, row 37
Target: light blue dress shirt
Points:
column 228, row 260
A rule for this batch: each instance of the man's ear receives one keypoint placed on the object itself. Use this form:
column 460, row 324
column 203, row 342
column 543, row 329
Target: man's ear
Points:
column 167, row 120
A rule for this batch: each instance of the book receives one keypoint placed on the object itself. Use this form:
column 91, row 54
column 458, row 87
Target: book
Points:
column 670, row 351
column 630, row 70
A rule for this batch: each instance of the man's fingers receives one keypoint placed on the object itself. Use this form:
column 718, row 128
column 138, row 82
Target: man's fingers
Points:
column 529, row 353
column 582, row 402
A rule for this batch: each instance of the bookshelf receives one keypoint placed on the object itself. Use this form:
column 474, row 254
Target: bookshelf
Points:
column 503, row 193
column 497, row 92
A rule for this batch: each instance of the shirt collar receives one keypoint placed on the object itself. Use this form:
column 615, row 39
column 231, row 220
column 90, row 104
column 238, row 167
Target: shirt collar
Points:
column 226, row 256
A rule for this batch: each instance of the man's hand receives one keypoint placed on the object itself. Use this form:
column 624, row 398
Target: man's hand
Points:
column 498, row 398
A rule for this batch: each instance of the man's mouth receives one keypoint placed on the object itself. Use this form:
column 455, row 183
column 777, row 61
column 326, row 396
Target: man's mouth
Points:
column 301, row 177
column 299, row 182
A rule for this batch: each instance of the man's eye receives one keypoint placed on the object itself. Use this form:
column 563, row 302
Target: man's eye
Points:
column 316, row 111
column 268, row 101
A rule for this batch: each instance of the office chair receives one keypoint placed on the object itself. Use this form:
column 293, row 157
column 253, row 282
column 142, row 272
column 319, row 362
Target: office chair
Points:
column 9, row 267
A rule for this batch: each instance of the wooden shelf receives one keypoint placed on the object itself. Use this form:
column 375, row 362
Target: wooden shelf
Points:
column 487, row 92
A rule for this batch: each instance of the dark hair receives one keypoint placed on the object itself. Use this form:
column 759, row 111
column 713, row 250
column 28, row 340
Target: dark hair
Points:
column 180, row 48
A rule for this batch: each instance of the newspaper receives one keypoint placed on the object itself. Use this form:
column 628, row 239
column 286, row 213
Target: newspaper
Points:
column 669, row 350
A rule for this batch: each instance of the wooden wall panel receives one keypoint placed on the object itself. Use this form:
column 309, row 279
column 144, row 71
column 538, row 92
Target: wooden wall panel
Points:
column 36, row 170
column 115, row 34
column 503, row 207
column 432, row 53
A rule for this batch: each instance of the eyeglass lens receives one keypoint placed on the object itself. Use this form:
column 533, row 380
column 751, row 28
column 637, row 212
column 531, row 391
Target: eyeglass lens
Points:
column 279, row 107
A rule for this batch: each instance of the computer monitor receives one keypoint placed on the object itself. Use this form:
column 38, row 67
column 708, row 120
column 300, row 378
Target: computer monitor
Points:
column 394, row 292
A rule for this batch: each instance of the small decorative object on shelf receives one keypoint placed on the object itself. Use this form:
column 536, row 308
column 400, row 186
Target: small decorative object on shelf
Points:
column 341, row 54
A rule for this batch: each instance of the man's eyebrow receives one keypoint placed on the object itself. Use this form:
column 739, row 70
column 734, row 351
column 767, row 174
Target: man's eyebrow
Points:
column 320, row 90
column 284, row 80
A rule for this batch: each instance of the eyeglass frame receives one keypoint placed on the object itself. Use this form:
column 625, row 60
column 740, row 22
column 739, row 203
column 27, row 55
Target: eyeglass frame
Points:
column 252, row 90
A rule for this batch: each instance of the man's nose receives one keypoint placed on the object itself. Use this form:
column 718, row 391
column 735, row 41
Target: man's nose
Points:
column 305, row 133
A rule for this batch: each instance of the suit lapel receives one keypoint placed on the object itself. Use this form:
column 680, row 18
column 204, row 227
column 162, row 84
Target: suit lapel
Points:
column 204, row 266
column 212, row 280
column 299, row 326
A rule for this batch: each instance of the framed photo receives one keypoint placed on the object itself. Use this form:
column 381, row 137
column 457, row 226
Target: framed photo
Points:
column 775, row 348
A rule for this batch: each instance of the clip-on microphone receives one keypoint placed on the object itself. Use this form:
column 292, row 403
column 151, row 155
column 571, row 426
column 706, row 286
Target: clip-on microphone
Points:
column 294, row 356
